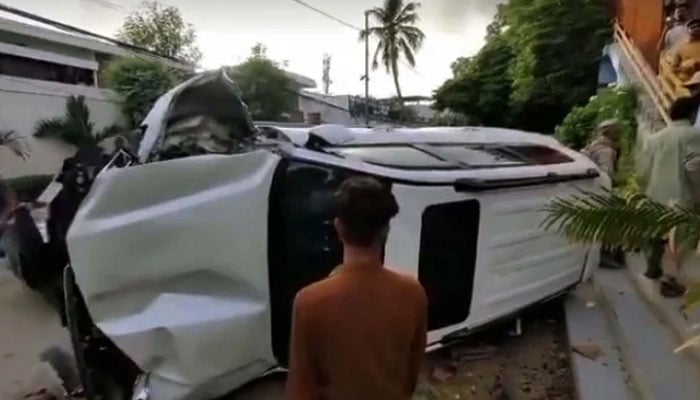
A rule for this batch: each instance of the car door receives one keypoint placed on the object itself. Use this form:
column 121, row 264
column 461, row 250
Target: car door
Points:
column 171, row 259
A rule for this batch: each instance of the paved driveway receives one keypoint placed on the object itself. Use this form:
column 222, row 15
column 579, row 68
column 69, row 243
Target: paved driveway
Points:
column 28, row 326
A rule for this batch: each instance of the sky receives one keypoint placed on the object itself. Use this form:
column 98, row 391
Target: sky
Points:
column 299, row 37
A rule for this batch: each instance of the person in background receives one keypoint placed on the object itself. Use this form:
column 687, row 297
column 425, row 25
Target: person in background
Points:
column 604, row 152
column 684, row 58
column 676, row 33
column 350, row 338
column 693, row 86
column 667, row 170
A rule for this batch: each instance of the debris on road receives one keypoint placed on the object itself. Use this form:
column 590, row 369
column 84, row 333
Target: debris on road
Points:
column 442, row 373
column 460, row 353
column 590, row 351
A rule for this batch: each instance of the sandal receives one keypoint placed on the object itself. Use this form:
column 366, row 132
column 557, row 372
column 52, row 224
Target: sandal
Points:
column 670, row 288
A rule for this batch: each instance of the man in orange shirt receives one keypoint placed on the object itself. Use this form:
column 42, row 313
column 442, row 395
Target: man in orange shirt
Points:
column 360, row 333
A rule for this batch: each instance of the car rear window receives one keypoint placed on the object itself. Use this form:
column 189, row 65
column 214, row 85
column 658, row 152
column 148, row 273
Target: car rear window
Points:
column 540, row 154
column 405, row 157
column 453, row 156
column 471, row 156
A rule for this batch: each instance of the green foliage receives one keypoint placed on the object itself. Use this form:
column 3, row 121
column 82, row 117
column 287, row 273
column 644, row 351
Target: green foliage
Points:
column 450, row 118
column 539, row 61
column 579, row 127
column 397, row 36
column 403, row 114
column 28, row 188
column 16, row 143
column 614, row 220
column 265, row 88
column 140, row 83
column 631, row 222
column 482, row 85
column 74, row 126
column 162, row 30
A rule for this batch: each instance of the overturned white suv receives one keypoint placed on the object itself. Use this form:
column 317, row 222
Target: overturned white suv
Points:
column 184, row 270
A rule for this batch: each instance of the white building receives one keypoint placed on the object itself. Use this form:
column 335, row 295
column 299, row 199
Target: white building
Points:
column 40, row 67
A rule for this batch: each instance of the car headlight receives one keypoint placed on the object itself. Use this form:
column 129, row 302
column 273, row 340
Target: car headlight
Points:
column 141, row 388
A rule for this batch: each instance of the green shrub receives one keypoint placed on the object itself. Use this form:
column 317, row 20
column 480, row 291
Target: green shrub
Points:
column 140, row 82
column 30, row 187
column 579, row 127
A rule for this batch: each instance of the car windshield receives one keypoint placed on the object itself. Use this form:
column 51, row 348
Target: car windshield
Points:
column 452, row 156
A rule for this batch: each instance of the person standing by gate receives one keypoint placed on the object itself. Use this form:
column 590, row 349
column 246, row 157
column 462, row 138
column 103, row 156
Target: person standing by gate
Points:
column 350, row 338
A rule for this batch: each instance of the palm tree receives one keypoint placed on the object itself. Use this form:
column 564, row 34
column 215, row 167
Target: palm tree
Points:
column 631, row 222
column 16, row 143
column 398, row 37
column 74, row 126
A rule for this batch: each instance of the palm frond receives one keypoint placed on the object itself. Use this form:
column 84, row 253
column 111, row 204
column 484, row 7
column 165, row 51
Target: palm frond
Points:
column 407, row 52
column 375, row 59
column 408, row 14
column 50, row 127
column 392, row 9
column 612, row 220
column 413, row 35
column 16, row 143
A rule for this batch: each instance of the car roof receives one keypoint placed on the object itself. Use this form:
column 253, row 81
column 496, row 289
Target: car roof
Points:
column 340, row 135
column 329, row 139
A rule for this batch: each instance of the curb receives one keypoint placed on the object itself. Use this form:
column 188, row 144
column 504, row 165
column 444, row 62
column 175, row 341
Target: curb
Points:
column 587, row 324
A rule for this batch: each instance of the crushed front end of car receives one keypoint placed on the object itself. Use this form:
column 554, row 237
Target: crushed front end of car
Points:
column 167, row 256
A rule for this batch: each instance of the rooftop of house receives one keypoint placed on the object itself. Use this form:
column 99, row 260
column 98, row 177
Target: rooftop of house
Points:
column 25, row 24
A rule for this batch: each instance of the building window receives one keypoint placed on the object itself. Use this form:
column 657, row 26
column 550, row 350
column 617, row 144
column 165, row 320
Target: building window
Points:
column 23, row 67
column 314, row 118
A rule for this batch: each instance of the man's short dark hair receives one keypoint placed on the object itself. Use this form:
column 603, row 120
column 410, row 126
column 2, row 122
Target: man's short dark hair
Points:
column 364, row 206
column 683, row 108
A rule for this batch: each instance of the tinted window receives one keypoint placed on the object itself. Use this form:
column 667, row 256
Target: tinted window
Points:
column 447, row 260
column 46, row 71
column 540, row 154
column 395, row 156
column 477, row 156
column 303, row 245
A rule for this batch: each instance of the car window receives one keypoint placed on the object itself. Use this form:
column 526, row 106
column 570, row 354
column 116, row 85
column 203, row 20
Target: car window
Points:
column 396, row 157
column 447, row 260
column 303, row 245
column 472, row 156
column 539, row 154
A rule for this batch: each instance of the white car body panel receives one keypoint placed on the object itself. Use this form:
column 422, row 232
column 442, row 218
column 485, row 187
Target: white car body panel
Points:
column 173, row 262
column 171, row 277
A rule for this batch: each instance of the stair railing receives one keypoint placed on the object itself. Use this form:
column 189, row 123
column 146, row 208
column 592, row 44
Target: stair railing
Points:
column 662, row 91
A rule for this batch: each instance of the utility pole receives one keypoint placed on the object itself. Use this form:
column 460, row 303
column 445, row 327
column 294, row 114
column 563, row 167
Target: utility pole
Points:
column 326, row 73
column 367, row 68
